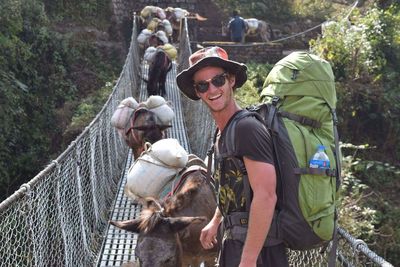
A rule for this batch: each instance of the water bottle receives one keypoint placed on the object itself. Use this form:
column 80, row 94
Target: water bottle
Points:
column 320, row 160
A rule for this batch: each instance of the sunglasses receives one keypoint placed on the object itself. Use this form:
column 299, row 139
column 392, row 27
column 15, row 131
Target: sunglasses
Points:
column 217, row 81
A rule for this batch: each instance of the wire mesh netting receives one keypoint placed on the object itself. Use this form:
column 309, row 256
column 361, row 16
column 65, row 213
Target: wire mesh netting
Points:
column 199, row 127
column 60, row 217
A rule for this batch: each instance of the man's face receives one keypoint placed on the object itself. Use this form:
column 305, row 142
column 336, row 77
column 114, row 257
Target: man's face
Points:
column 217, row 98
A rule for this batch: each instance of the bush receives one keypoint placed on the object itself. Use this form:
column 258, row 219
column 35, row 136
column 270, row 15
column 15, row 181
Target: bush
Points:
column 39, row 81
column 364, row 57
column 249, row 93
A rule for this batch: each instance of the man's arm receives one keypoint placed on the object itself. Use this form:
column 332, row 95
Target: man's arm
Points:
column 230, row 24
column 262, row 178
column 208, row 235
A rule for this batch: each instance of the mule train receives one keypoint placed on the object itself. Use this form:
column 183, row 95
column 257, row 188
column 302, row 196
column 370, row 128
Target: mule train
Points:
column 169, row 19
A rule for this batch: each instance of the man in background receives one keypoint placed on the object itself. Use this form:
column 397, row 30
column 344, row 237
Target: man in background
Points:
column 237, row 28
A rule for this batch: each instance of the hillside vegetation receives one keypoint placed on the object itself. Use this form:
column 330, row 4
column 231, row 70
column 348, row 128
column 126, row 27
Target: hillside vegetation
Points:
column 48, row 64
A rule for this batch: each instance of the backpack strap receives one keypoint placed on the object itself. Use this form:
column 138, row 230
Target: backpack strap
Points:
column 210, row 153
column 269, row 113
column 231, row 151
column 209, row 179
column 314, row 171
column 337, row 150
column 333, row 251
column 273, row 109
column 230, row 132
column 300, row 119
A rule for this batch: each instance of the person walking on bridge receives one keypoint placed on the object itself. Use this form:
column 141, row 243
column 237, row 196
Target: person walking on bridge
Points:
column 237, row 27
column 213, row 78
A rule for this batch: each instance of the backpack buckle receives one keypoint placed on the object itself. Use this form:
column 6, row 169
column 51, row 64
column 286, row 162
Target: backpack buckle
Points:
column 227, row 222
column 275, row 100
column 294, row 74
column 334, row 117
column 303, row 120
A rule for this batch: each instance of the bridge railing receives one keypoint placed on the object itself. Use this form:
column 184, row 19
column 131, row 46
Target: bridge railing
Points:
column 59, row 217
column 199, row 123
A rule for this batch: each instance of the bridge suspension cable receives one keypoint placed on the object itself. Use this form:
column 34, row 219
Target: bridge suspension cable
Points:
column 314, row 27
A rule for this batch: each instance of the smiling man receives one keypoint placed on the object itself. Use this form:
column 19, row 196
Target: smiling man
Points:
column 212, row 77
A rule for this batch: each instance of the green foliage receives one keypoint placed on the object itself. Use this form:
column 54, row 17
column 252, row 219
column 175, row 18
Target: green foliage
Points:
column 249, row 93
column 86, row 112
column 312, row 9
column 268, row 10
column 41, row 75
column 257, row 74
column 91, row 105
column 88, row 12
column 355, row 215
column 360, row 50
column 10, row 17
column 371, row 209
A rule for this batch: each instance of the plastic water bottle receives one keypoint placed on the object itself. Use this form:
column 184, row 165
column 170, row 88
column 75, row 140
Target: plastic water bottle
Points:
column 320, row 159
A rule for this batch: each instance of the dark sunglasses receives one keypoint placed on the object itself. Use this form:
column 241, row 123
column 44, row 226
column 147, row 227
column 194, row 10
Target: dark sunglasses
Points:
column 217, row 81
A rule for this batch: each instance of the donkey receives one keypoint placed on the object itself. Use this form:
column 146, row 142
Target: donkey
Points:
column 158, row 70
column 143, row 126
column 175, row 16
column 169, row 230
column 256, row 27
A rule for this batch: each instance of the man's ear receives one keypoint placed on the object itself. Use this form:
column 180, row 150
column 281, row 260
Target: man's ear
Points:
column 232, row 80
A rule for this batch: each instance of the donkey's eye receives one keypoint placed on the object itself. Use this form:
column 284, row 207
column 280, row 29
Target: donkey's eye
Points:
column 169, row 261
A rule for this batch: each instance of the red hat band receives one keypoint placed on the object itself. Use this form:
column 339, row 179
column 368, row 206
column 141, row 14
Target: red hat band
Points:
column 208, row 52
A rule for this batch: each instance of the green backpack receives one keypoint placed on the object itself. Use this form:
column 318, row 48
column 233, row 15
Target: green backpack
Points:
column 299, row 109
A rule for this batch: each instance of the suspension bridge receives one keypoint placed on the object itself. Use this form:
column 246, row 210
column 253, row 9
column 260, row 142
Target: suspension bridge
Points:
column 60, row 217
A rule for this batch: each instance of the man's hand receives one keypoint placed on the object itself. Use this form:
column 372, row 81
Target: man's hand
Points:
column 208, row 235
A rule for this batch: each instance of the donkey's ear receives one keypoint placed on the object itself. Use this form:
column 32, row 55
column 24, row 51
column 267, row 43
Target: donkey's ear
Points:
column 179, row 223
column 130, row 225
column 151, row 203
column 164, row 127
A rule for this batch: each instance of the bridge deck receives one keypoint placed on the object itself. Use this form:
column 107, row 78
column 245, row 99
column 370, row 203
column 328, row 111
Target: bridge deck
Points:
column 118, row 246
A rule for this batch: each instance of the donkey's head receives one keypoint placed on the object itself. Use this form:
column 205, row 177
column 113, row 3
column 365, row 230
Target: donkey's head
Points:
column 143, row 126
column 158, row 243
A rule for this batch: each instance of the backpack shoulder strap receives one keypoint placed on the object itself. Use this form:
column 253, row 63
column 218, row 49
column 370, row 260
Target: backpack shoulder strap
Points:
column 231, row 133
column 210, row 154
column 230, row 150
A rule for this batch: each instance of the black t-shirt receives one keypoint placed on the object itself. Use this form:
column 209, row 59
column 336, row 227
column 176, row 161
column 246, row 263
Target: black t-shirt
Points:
column 252, row 140
column 236, row 27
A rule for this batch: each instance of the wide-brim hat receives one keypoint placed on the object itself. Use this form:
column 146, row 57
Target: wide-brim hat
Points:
column 209, row 56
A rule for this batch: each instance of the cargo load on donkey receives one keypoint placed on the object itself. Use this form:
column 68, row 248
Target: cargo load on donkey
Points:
column 299, row 101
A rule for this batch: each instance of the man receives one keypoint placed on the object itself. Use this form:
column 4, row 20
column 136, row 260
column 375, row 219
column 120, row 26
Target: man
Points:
column 212, row 77
column 237, row 28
